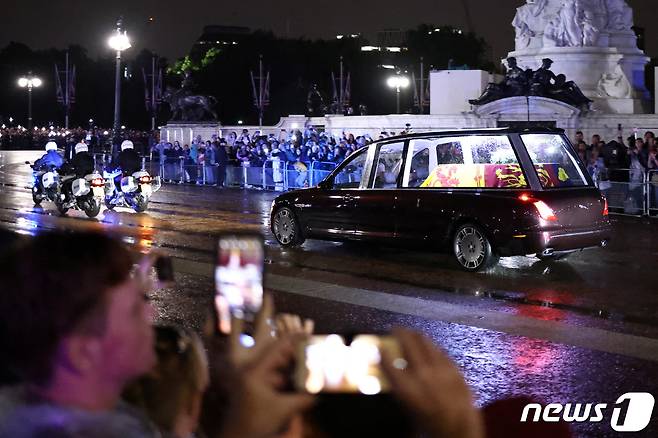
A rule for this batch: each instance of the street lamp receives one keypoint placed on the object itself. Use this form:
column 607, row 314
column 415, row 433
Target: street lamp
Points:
column 398, row 82
column 118, row 41
column 29, row 82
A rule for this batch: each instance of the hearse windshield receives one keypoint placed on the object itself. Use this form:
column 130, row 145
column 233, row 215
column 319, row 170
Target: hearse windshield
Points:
column 553, row 161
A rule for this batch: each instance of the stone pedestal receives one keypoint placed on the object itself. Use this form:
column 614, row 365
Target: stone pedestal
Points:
column 450, row 90
column 185, row 132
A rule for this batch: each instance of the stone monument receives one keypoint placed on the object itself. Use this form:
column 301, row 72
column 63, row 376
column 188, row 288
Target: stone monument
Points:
column 592, row 43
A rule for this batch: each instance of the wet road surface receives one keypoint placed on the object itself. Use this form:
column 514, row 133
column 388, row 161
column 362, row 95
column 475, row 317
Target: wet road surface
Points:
column 583, row 330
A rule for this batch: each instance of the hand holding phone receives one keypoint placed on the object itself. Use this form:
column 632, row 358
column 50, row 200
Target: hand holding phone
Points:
column 433, row 388
column 238, row 279
column 326, row 364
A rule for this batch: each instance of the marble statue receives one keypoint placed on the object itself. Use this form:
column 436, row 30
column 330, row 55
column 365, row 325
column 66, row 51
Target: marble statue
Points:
column 620, row 15
column 569, row 23
column 528, row 21
column 614, row 84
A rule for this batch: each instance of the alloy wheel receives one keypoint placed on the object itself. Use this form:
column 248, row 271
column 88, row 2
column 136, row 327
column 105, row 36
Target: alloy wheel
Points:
column 470, row 247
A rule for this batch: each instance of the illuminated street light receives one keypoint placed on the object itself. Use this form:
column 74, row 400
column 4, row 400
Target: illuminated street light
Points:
column 29, row 82
column 397, row 82
column 118, row 42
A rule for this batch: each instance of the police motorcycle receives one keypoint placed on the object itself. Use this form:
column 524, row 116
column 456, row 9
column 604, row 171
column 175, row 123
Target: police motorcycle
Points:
column 82, row 192
column 126, row 185
column 45, row 178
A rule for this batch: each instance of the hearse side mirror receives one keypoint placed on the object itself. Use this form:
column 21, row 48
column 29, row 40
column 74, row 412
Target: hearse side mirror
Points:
column 326, row 184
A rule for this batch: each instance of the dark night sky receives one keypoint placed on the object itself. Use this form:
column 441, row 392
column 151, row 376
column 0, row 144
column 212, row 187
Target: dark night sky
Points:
column 56, row 23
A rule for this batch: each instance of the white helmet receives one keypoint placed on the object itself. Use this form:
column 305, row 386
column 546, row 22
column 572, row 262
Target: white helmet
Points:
column 81, row 147
column 51, row 146
column 127, row 144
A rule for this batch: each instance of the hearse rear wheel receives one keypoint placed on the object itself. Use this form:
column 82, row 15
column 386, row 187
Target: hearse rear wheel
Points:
column 472, row 249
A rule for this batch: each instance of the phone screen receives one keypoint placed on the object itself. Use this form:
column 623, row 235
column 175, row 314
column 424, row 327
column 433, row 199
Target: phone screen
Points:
column 326, row 364
column 238, row 279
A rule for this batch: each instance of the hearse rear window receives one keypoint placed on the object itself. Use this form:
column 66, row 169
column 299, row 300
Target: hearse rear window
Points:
column 553, row 161
column 474, row 161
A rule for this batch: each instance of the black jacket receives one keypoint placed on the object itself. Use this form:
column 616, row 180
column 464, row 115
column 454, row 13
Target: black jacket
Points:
column 83, row 164
column 129, row 161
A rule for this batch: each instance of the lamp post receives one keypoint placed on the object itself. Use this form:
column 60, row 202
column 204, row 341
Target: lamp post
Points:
column 119, row 42
column 398, row 82
column 29, row 82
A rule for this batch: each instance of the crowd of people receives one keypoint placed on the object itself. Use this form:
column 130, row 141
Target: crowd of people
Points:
column 299, row 149
column 255, row 149
column 628, row 162
column 19, row 137
column 81, row 358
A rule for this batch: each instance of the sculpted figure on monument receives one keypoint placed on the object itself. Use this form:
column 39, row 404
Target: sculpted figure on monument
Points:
column 546, row 84
column 528, row 21
column 614, row 84
column 620, row 15
column 516, row 83
column 565, row 29
column 542, row 82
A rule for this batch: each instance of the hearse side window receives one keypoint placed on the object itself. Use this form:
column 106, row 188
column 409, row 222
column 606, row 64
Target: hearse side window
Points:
column 349, row 176
column 470, row 161
column 555, row 164
column 388, row 165
column 420, row 168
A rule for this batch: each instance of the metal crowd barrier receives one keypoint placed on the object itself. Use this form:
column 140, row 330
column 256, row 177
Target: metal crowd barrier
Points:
column 652, row 192
column 631, row 192
column 274, row 174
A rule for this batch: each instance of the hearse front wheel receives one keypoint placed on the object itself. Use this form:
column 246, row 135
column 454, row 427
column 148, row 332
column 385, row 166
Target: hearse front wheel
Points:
column 472, row 249
column 286, row 229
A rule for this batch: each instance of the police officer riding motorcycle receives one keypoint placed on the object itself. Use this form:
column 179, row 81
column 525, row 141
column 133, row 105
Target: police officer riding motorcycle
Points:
column 45, row 175
column 82, row 188
column 128, row 185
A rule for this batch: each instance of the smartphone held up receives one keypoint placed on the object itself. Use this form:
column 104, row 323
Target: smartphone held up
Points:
column 327, row 364
column 238, row 279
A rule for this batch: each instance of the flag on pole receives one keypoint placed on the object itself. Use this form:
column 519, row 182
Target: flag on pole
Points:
column 266, row 90
column 60, row 91
column 147, row 93
column 426, row 97
column 72, row 86
column 159, row 88
column 334, row 98
column 253, row 86
column 348, row 90
column 58, row 87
